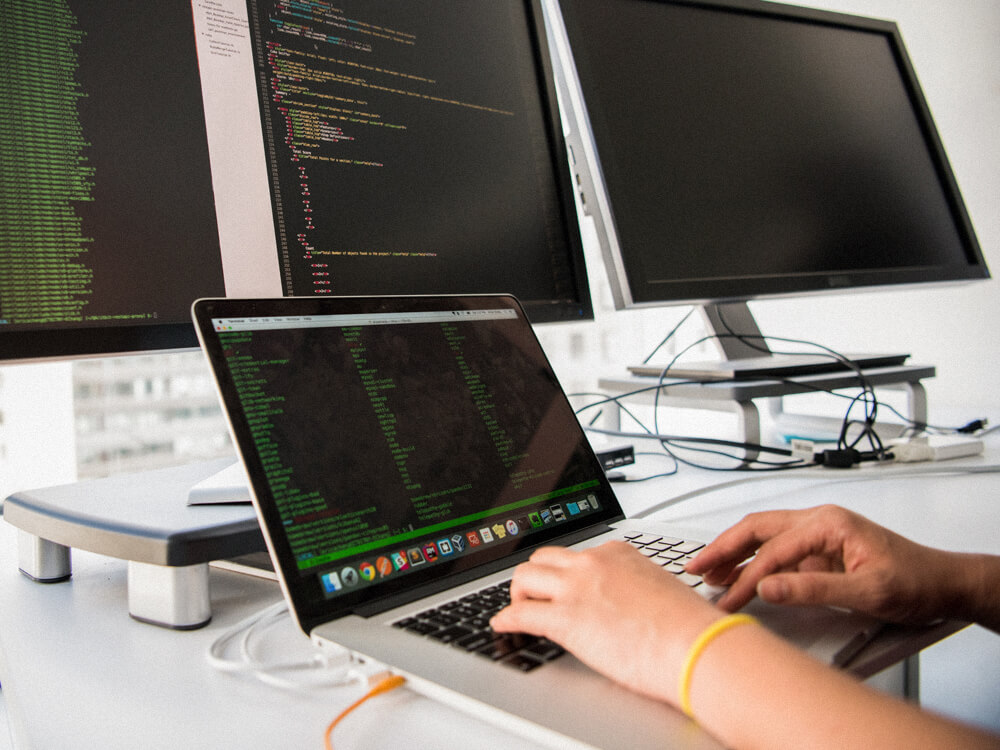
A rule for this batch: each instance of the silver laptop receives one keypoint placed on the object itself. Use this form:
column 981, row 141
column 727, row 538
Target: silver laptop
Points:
column 404, row 453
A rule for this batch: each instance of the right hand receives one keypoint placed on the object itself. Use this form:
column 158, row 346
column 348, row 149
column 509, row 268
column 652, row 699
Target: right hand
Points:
column 827, row 556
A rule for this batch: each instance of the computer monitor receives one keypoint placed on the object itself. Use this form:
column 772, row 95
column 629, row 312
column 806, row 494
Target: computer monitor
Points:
column 159, row 154
column 741, row 150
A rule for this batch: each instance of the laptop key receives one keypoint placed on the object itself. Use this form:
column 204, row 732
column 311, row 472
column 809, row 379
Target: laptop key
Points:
column 545, row 650
column 522, row 662
column 672, row 540
column 476, row 640
column 643, row 539
column 657, row 547
column 441, row 620
column 688, row 547
column 422, row 628
column 497, row 650
column 453, row 633
column 669, row 555
column 506, row 645
column 689, row 579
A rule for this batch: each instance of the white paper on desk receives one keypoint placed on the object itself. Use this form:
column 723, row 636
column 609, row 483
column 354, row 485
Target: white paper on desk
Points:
column 227, row 486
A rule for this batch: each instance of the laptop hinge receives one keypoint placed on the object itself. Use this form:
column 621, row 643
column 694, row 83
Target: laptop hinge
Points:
column 372, row 609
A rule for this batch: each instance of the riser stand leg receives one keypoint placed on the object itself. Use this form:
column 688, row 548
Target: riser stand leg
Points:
column 169, row 596
column 41, row 560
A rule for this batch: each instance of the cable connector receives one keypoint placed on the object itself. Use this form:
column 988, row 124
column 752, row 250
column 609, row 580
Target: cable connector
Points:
column 382, row 682
column 842, row 458
column 845, row 458
column 803, row 449
column 972, row 427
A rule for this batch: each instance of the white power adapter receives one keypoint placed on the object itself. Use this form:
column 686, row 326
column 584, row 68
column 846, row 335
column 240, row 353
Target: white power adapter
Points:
column 934, row 447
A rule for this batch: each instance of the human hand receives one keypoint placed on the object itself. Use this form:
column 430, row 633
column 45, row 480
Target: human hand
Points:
column 826, row 556
column 619, row 613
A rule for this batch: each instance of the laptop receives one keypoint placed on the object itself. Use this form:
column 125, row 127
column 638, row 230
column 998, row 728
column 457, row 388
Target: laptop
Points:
column 404, row 454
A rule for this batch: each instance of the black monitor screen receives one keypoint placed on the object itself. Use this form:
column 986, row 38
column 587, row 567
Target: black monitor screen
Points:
column 753, row 149
column 250, row 148
column 108, row 222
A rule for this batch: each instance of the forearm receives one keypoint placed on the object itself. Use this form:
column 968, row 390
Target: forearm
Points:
column 975, row 589
column 753, row 690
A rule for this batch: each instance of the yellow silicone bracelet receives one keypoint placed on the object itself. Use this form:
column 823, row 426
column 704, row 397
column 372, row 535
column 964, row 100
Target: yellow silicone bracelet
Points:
column 697, row 648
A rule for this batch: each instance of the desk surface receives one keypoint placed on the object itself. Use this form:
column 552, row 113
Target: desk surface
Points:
column 77, row 671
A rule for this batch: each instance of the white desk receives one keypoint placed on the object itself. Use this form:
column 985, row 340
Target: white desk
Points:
column 78, row 672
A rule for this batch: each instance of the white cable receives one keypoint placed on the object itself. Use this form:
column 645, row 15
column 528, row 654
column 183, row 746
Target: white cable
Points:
column 317, row 671
column 216, row 652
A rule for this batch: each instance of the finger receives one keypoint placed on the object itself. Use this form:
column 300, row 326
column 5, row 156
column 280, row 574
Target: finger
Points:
column 723, row 554
column 527, row 616
column 740, row 541
column 724, row 575
column 725, row 560
column 555, row 556
column 784, row 552
column 537, row 580
column 804, row 589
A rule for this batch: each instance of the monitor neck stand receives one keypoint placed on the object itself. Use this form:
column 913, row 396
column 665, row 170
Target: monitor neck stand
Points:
column 736, row 332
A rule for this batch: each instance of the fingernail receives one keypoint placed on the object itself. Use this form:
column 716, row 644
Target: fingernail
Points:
column 772, row 590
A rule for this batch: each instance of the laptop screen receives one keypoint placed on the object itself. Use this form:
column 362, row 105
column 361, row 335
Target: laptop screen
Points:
column 391, row 442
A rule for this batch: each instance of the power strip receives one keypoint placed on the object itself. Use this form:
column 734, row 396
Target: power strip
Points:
column 934, row 448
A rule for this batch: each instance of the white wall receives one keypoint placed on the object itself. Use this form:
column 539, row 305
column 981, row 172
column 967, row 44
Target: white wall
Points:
column 955, row 49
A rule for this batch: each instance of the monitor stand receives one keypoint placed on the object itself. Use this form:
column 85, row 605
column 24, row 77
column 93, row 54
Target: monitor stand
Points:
column 144, row 519
column 750, row 371
column 746, row 355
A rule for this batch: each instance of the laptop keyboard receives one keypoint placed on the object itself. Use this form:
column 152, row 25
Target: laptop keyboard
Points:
column 669, row 553
column 464, row 623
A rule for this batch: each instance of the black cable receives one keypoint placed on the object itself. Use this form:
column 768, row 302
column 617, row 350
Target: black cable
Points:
column 672, row 472
column 669, row 336
column 678, row 445
column 699, row 440
column 743, row 467
column 673, row 441
column 745, row 464
column 606, row 399
column 660, row 386
column 847, row 452
column 620, row 406
column 867, row 395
